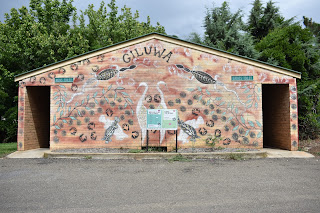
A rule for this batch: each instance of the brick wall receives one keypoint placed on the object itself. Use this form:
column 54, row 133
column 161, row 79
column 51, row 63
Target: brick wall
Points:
column 37, row 113
column 276, row 116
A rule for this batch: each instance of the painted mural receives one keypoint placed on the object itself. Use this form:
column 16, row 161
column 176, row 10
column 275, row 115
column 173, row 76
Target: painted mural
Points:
column 106, row 100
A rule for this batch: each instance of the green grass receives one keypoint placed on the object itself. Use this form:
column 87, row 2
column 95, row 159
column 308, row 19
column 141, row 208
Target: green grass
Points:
column 234, row 156
column 88, row 157
column 135, row 151
column 7, row 148
column 179, row 157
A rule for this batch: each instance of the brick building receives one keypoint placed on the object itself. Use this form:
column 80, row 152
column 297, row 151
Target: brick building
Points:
column 99, row 99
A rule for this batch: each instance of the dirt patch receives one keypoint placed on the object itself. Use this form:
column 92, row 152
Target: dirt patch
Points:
column 311, row 146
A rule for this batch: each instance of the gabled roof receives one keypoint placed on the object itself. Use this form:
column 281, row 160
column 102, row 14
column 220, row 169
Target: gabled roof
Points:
column 164, row 38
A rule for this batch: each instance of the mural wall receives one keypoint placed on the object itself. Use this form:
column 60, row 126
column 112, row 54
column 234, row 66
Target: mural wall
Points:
column 106, row 101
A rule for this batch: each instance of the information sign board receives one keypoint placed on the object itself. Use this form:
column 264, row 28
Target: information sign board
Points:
column 162, row 119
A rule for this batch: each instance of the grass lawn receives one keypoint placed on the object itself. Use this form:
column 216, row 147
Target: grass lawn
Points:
column 7, row 148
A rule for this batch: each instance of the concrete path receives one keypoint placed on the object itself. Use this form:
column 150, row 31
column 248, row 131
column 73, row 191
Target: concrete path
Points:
column 280, row 153
column 266, row 152
column 33, row 153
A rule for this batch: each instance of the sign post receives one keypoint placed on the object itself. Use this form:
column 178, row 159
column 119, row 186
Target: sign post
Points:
column 162, row 119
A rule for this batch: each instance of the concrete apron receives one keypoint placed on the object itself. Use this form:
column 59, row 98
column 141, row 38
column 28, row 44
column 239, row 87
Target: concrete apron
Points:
column 264, row 153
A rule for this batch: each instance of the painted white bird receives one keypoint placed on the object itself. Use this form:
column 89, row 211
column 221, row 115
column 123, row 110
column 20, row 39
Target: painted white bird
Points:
column 141, row 111
column 162, row 105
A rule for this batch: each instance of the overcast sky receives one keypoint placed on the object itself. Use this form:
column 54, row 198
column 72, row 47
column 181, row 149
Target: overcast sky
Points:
column 181, row 17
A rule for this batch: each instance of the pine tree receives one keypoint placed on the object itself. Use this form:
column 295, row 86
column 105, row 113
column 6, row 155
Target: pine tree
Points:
column 225, row 30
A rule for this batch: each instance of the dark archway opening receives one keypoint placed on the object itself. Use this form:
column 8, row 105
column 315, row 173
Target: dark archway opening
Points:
column 37, row 117
column 276, row 116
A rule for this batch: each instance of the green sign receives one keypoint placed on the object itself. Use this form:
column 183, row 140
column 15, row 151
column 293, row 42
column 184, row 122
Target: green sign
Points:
column 169, row 119
column 63, row 80
column 166, row 119
column 154, row 118
column 241, row 78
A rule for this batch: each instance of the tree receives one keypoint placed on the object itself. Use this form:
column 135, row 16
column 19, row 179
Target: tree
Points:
column 225, row 30
column 312, row 26
column 295, row 48
column 263, row 20
column 32, row 38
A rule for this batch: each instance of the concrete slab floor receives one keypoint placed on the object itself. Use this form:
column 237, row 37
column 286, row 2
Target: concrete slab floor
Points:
column 33, row 153
column 280, row 153
column 271, row 153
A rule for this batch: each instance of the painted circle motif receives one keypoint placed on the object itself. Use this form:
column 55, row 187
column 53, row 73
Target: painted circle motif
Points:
column 196, row 111
column 73, row 130
column 226, row 141
column 74, row 88
column 86, row 119
column 190, row 102
column 99, row 110
column 210, row 123
column 182, row 108
column 33, row 79
column 135, row 134
column 109, row 112
column 183, row 94
column 20, row 145
column 91, row 126
column 83, row 138
column 157, row 98
column 55, row 139
column 93, row 136
column 203, row 131
column 151, row 106
column 241, row 131
column 74, row 66
column 178, row 101
column 245, row 140
column 252, row 135
column 294, row 127
column 125, row 127
column 293, row 88
column 206, row 112
column 293, row 97
column 293, row 106
column 148, row 98
column 235, row 136
column 62, row 70
column 42, row 80
column 170, row 103
column 51, row 75
column 217, row 133
column 214, row 117
column 226, row 128
column 294, row 143
column 63, row 133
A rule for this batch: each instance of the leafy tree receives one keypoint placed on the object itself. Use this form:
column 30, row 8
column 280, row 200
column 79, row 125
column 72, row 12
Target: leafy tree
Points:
column 225, row 30
column 295, row 48
column 312, row 26
column 32, row 38
column 263, row 20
